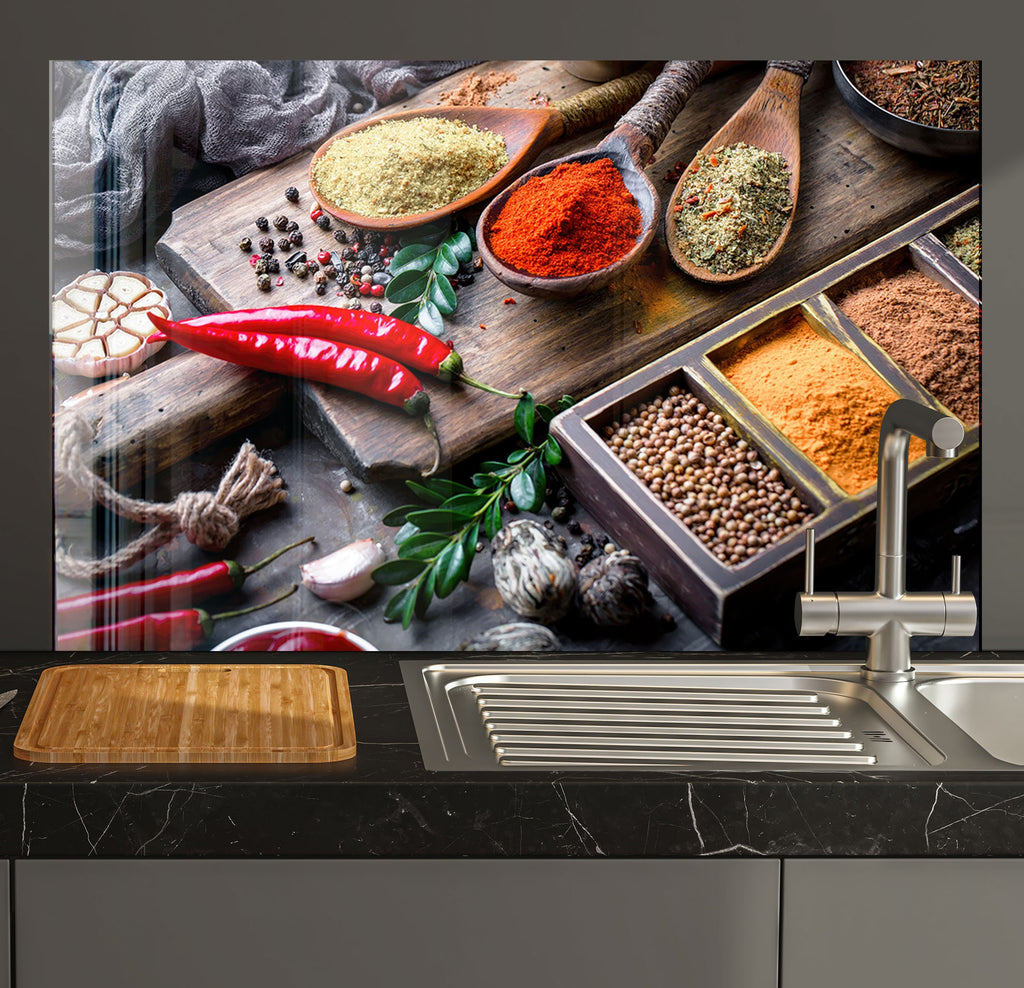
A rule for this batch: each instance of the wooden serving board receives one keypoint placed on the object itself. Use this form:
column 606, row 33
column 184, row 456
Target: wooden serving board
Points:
column 854, row 188
column 188, row 713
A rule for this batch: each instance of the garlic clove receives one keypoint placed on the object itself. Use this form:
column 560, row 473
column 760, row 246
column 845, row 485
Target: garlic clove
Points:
column 345, row 573
column 99, row 323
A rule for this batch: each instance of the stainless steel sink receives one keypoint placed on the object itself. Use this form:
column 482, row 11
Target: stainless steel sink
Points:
column 990, row 710
column 599, row 714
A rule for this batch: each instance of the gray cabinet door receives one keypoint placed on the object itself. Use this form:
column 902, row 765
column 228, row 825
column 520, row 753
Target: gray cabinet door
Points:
column 885, row 921
column 5, row 924
column 397, row 923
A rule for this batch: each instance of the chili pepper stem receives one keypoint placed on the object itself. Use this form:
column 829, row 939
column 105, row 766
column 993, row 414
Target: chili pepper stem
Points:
column 465, row 379
column 432, row 429
column 249, row 570
column 254, row 607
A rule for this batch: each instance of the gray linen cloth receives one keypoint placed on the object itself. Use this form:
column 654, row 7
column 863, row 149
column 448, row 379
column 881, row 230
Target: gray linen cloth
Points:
column 131, row 139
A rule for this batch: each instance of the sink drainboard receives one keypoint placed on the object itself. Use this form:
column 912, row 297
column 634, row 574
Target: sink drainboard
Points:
column 597, row 719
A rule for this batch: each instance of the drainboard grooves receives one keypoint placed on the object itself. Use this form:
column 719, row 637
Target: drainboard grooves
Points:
column 591, row 725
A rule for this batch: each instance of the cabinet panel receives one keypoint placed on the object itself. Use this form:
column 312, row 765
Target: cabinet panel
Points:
column 5, row 924
column 884, row 921
column 397, row 924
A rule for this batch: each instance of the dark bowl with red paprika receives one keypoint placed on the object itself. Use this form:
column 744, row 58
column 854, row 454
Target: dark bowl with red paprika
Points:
column 918, row 138
column 520, row 279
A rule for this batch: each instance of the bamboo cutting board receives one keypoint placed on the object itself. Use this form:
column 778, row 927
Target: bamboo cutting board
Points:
column 188, row 713
column 854, row 188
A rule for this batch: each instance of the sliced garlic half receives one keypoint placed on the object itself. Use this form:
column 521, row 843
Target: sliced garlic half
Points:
column 100, row 324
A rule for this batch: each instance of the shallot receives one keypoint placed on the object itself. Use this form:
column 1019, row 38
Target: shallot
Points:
column 345, row 573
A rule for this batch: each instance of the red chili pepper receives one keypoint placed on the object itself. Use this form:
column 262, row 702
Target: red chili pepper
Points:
column 166, row 630
column 162, row 593
column 414, row 347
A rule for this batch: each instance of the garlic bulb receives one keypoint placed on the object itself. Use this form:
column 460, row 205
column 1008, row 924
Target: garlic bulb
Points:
column 532, row 572
column 521, row 636
column 612, row 589
column 345, row 573
column 100, row 323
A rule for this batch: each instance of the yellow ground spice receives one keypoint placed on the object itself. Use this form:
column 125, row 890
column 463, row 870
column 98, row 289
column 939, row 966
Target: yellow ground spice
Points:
column 825, row 399
column 399, row 167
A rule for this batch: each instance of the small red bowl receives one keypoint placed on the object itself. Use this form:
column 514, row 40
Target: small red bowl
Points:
column 295, row 636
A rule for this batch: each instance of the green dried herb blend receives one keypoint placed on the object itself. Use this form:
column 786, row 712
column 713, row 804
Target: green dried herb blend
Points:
column 964, row 242
column 732, row 207
column 400, row 167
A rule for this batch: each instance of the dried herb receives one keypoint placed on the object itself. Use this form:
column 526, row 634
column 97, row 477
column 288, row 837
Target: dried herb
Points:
column 964, row 242
column 420, row 287
column 732, row 207
column 934, row 93
column 437, row 539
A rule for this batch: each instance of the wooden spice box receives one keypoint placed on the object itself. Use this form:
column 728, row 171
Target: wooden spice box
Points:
column 752, row 602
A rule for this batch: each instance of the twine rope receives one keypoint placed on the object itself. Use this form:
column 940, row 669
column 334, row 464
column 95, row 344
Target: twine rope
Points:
column 802, row 69
column 593, row 106
column 207, row 519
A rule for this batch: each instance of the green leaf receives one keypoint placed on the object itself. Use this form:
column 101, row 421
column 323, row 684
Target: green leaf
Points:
column 439, row 520
column 566, row 401
column 397, row 516
column 485, row 481
column 429, row 318
column 464, row 502
column 424, row 545
column 424, row 593
column 415, row 257
column 393, row 608
column 406, row 532
column 449, row 566
column 523, row 491
column 409, row 606
column 518, row 455
column 524, row 417
column 407, row 287
column 406, row 311
column 492, row 520
column 493, row 466
column 461, row 246
column 446, row 262
column 546, row 412
column 538, row 475
column 446, row 487
column 443, row 295
column 469, row 540
column 552, row 452
column 429, row 233
column 395, row 572
column 424, row 491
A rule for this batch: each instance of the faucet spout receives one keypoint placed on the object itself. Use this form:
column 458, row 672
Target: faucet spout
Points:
column 943, row 434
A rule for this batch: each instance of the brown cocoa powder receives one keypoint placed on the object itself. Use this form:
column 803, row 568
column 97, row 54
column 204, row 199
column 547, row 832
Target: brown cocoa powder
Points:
column 932, row 332
column 824, row 398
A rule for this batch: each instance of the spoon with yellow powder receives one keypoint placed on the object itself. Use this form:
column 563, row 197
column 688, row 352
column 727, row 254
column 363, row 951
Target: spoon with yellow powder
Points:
column 411, row 168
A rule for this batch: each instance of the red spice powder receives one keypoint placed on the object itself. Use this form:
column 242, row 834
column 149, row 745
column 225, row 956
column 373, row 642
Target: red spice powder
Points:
column 578, row 218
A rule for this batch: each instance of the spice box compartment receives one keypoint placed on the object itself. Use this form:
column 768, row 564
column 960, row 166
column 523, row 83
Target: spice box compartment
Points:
column 750, row 603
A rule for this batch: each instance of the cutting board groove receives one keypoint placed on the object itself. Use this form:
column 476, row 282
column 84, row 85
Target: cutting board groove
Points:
column 188, row 713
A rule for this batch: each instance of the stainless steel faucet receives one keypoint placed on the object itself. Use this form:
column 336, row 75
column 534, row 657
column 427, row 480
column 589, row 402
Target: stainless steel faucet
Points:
column 889, row 615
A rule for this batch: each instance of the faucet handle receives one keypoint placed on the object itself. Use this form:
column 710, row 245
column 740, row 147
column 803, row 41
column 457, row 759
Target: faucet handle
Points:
column 809, row 563
column 956, row 574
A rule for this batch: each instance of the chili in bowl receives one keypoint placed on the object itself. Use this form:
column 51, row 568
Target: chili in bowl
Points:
column 295, row 636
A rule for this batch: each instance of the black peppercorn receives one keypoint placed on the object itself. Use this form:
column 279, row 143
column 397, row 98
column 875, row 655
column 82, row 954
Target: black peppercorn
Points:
column 300, row 270
column 267, row 245
column 245, row 244
column 281, row 223
column 321, row 288
column 574, row 527
column 349, row 253
column 292, row 227
column 296, row 238
column 284, row 243
column 376, row 266
column 263, row 282
column 349, row 290
column 323, row 221
column 312, row 266
column 466, row 279
column 341, row 236
column 262, row 223
column 261, row 266
column 319, row 277
column 376, row 307
column 273, row 265
column 291, row 194
column 331, row 271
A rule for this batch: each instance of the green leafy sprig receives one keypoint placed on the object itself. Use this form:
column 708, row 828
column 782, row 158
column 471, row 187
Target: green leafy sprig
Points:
column 419, row 287
column 437, row 539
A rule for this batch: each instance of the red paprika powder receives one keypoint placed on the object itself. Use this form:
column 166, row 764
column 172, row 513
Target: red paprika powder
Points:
column 578, row 218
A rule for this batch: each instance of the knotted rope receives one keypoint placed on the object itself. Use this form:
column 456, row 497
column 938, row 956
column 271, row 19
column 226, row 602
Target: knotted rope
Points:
column 208, row 520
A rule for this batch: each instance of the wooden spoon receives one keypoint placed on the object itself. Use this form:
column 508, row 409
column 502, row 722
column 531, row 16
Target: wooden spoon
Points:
column 526, row 132
column 630, row 146
column 770, row 120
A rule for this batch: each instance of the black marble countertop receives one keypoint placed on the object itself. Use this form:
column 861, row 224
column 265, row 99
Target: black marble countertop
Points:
column 383, row 803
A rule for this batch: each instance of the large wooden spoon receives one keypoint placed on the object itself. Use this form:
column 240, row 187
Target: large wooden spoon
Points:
column 770, row 120
column 630, row 146
column 526, row 132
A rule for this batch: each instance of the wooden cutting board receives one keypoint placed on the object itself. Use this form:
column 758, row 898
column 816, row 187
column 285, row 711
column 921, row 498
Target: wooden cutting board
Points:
column 188, row 713
column 854, row 188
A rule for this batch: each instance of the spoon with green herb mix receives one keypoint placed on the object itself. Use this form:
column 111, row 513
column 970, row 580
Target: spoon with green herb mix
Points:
column 401, row 170
column 733, row 207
